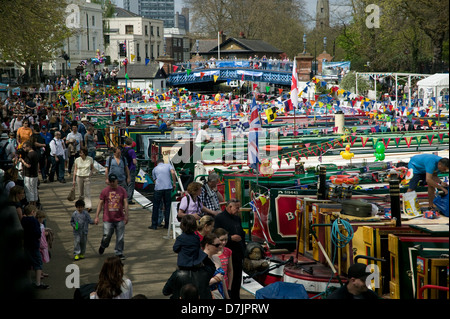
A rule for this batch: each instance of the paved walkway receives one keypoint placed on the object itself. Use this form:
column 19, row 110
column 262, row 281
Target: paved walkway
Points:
column 150, row 260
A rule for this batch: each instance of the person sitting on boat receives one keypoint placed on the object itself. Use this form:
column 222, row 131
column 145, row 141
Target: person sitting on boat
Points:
column 425, row 168
column 203, row 135
column 210, row 196
column 356, row 287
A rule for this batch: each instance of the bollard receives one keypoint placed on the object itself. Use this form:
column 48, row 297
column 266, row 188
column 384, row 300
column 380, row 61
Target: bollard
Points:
column 321, row 191
column 394, row 191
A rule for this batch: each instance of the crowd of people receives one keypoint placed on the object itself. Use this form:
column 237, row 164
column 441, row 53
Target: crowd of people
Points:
column 43, row 147
column 210, row 236
column 38, row 146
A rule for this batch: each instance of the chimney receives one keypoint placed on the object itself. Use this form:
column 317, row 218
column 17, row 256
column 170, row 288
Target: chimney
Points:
column 223, row 37
column 242, row 34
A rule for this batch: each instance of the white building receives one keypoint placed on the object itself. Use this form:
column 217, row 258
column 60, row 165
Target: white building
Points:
column 85, row 19
column 134, row 37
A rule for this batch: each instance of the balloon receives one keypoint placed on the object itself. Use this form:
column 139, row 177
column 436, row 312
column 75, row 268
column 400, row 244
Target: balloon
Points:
column 379, row 156
column 379, row 151
column 380, row 147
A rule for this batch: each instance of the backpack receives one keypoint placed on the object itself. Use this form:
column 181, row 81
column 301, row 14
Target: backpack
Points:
column 124, row 165
column 126, row 154
column 188, row 201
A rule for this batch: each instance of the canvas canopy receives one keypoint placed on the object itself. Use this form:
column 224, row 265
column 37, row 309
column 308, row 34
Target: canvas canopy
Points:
column 433, row 85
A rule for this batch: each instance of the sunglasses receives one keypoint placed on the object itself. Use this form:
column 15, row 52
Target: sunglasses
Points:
column 216, row 245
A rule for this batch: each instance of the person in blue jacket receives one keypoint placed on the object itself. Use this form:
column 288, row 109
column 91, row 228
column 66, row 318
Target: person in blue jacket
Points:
column 425, row 168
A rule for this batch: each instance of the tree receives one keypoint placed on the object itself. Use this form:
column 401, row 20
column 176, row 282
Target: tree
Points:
column 348, row 83
column 407, row 31
column 432, row 17
column 278, row 22
column 32, row 32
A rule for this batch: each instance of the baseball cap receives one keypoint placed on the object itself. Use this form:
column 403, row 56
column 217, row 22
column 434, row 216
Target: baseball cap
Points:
column 359, row 271
column 112, row 177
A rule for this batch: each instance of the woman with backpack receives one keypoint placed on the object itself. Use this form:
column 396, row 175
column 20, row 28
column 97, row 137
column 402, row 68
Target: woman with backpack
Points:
column 191, row 203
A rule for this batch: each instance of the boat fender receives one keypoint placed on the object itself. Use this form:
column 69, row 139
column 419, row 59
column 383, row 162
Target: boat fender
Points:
column 344, row 179
column 270, row 148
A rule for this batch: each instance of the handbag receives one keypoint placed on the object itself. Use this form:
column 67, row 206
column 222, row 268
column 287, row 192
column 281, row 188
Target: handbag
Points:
column 442, row 203
column 71, row 196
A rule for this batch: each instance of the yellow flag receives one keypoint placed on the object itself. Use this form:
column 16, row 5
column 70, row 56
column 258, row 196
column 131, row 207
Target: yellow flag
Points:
column 215, row 78
column 132, row 57
column 271, row 114
column 69, row 98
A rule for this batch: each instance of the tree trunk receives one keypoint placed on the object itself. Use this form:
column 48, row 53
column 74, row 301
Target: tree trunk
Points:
column 437, row 43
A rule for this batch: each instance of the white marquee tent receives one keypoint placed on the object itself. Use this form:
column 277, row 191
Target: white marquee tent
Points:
column 433, row 86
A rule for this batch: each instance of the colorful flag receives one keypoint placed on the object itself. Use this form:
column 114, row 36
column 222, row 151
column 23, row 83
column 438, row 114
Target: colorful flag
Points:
column 294, row 85
column 271, row 113
column 288, row 105
column 242, row 126
column 255, row 127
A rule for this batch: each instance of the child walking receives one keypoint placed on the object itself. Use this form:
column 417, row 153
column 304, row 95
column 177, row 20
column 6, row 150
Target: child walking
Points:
column 80, row 222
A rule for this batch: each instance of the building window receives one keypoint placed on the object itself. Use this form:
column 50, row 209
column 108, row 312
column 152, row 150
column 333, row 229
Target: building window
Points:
column 93, row 20
column 146, row 30
column 122, row 50
column 129, row 29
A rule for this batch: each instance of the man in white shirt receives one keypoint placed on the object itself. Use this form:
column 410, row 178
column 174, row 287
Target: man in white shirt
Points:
column 203, row 135
column 57, row 157
column 77, row 140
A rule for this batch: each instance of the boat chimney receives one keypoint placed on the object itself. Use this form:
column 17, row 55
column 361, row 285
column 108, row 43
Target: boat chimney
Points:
column 339, row 121
column 394, row 191
column 321, row 190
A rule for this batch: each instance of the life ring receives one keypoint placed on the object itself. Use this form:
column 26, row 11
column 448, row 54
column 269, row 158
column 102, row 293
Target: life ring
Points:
column 344, row 179
column 270, row 148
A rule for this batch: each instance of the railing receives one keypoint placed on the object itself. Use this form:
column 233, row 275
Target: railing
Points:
column 202, row 75
column 260, row 64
